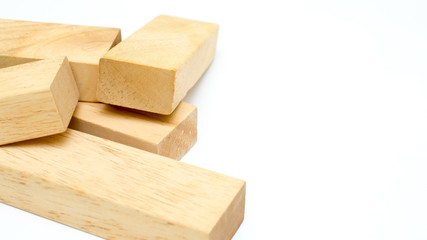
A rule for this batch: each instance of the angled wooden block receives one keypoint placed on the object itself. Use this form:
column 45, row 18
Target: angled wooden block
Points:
column 168, row 135
column 83, row 46
column 153, row 69
column 36, row 99
column 118, row 192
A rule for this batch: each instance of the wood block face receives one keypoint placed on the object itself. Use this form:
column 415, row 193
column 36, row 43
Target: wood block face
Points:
column 118, row 192
column 36, row 99
column 154, row 68
column 168, row 135
column 83, row 46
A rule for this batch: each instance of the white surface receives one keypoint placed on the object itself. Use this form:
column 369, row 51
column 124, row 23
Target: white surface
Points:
column 320, row 105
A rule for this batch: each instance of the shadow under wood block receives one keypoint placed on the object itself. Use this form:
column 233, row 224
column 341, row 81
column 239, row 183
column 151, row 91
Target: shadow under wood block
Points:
column 36, row 99
column 119, row 192
column 168, row 135
column 153, row 69
column 83, row 45
column 8, row 61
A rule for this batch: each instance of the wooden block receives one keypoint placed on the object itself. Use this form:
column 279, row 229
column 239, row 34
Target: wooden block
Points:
column 36, row 99
column 168, row 135
column 83, row 46
column 153, row 69
column 118, row 192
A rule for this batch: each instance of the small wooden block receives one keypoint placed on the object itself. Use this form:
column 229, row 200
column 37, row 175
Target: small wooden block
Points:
column 83, row 46
column 153, row 69
column 118, row 192
column 36, row 99
column 168, row 135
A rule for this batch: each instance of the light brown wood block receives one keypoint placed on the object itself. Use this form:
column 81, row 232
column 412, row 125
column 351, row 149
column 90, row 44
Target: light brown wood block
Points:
column 36, row 99
column 83, row 45
column 168, row 135
column 118, row 192
column 154, row 68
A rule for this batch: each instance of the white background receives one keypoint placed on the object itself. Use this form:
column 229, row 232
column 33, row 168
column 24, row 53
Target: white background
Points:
column 321, row 106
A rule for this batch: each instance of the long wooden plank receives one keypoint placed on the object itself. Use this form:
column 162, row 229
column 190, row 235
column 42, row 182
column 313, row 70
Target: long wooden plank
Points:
column 168, row 135
column 83, row 45
column 36, row 99
column 118, row 192
column 154, row 68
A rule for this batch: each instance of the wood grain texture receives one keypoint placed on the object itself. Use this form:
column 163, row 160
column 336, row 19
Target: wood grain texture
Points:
column 36, row 99
column 154, row 68
column 168, row 135
column 83, row 45
column 118, row 192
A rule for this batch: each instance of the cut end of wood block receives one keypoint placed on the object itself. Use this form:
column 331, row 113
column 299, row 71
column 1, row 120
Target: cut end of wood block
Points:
column 65, row 93
column 36, row 99
column 183, row 137
column 138, row 87
column 154, row 68
column 232, row 218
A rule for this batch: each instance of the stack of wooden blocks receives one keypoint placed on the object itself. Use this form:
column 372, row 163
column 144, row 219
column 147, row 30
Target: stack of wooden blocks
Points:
column 114, row 174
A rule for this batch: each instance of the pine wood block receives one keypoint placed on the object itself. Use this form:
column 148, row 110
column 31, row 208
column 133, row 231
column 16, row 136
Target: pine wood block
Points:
column 154, row 68
column 36, row 99
column 83, row 45
column 118, row 192
column 168, row 135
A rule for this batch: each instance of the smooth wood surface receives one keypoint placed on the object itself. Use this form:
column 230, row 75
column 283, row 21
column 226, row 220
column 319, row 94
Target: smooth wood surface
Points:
column 36, row 99
column 168, row 135
column 83, row 45
column 154, row 68
column 118, row 192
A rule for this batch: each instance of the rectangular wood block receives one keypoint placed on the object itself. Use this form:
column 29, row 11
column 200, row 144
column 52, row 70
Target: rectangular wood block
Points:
column 36, row 99
column 83, row 45
column 153, row 69
column 118, row 192
column 168, row 135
